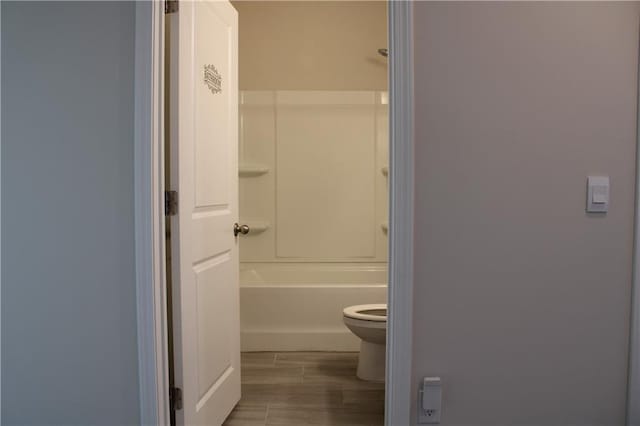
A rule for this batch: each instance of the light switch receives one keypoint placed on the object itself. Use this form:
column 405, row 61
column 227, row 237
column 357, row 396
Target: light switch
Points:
column 597, row 194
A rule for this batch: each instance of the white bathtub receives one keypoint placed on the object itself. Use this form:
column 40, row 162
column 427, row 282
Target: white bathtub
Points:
column 298, row 307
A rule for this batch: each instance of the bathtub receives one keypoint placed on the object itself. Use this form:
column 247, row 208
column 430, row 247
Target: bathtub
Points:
column 298, row 307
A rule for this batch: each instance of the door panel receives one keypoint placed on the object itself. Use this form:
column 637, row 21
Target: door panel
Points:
column 204, row 138
column 212, row 36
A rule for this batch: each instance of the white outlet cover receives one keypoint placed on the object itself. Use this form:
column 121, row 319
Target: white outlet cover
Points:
column 430, row 401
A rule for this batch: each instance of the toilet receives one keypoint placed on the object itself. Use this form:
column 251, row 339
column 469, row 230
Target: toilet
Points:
column 369, row 323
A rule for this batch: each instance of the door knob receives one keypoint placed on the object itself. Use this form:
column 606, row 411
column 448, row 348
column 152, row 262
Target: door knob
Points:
column 240, row 229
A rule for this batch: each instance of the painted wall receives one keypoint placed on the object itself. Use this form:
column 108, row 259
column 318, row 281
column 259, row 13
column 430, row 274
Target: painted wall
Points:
column 522, row 300
column 68, row 292
column 320, row 45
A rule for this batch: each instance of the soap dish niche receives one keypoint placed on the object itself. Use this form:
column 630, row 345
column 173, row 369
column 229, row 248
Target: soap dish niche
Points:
column 252, row 170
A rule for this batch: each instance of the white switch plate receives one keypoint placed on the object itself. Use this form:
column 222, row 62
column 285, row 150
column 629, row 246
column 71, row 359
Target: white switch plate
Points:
column 430, row 401
column 597, row 194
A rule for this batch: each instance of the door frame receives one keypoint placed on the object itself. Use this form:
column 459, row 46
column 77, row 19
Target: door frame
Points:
column 151, row 295
column 153, row 362
column 399, row 389
column 633, row 384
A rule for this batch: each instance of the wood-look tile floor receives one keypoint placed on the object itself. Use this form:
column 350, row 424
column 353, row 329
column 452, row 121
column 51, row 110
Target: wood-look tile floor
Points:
column 306, row 388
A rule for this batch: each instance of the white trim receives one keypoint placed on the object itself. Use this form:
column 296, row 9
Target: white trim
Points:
column 633, row 393
column 0, row 231
column 399, row 392
column 153, row 364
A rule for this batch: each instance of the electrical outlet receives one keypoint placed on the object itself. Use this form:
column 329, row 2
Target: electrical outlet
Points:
column 430, row 401
column 428, row 416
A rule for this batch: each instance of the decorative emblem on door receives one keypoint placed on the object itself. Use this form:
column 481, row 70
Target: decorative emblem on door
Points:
column 212, row 79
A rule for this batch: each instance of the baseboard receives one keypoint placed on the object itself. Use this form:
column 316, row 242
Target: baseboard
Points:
column 337, row 341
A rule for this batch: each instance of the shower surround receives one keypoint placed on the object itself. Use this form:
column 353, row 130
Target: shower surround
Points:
column 313, row 189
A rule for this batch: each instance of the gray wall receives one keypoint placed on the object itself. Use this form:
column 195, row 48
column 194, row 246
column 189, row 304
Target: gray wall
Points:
column 521, row 299
column 68, row 291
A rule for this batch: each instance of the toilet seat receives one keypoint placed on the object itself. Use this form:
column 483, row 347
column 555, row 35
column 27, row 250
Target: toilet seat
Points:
column 359, row 312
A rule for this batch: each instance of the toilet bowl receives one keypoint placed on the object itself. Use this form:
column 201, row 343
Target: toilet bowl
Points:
column 369, row 323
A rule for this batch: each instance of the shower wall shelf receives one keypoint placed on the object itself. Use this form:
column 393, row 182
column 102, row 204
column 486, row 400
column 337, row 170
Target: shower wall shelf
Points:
column 385, row 171
column 256, row 226
column 385, row 227
column 252, row 170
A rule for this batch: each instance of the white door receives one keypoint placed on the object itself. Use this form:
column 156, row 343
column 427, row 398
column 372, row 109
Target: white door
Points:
column 203, row 102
